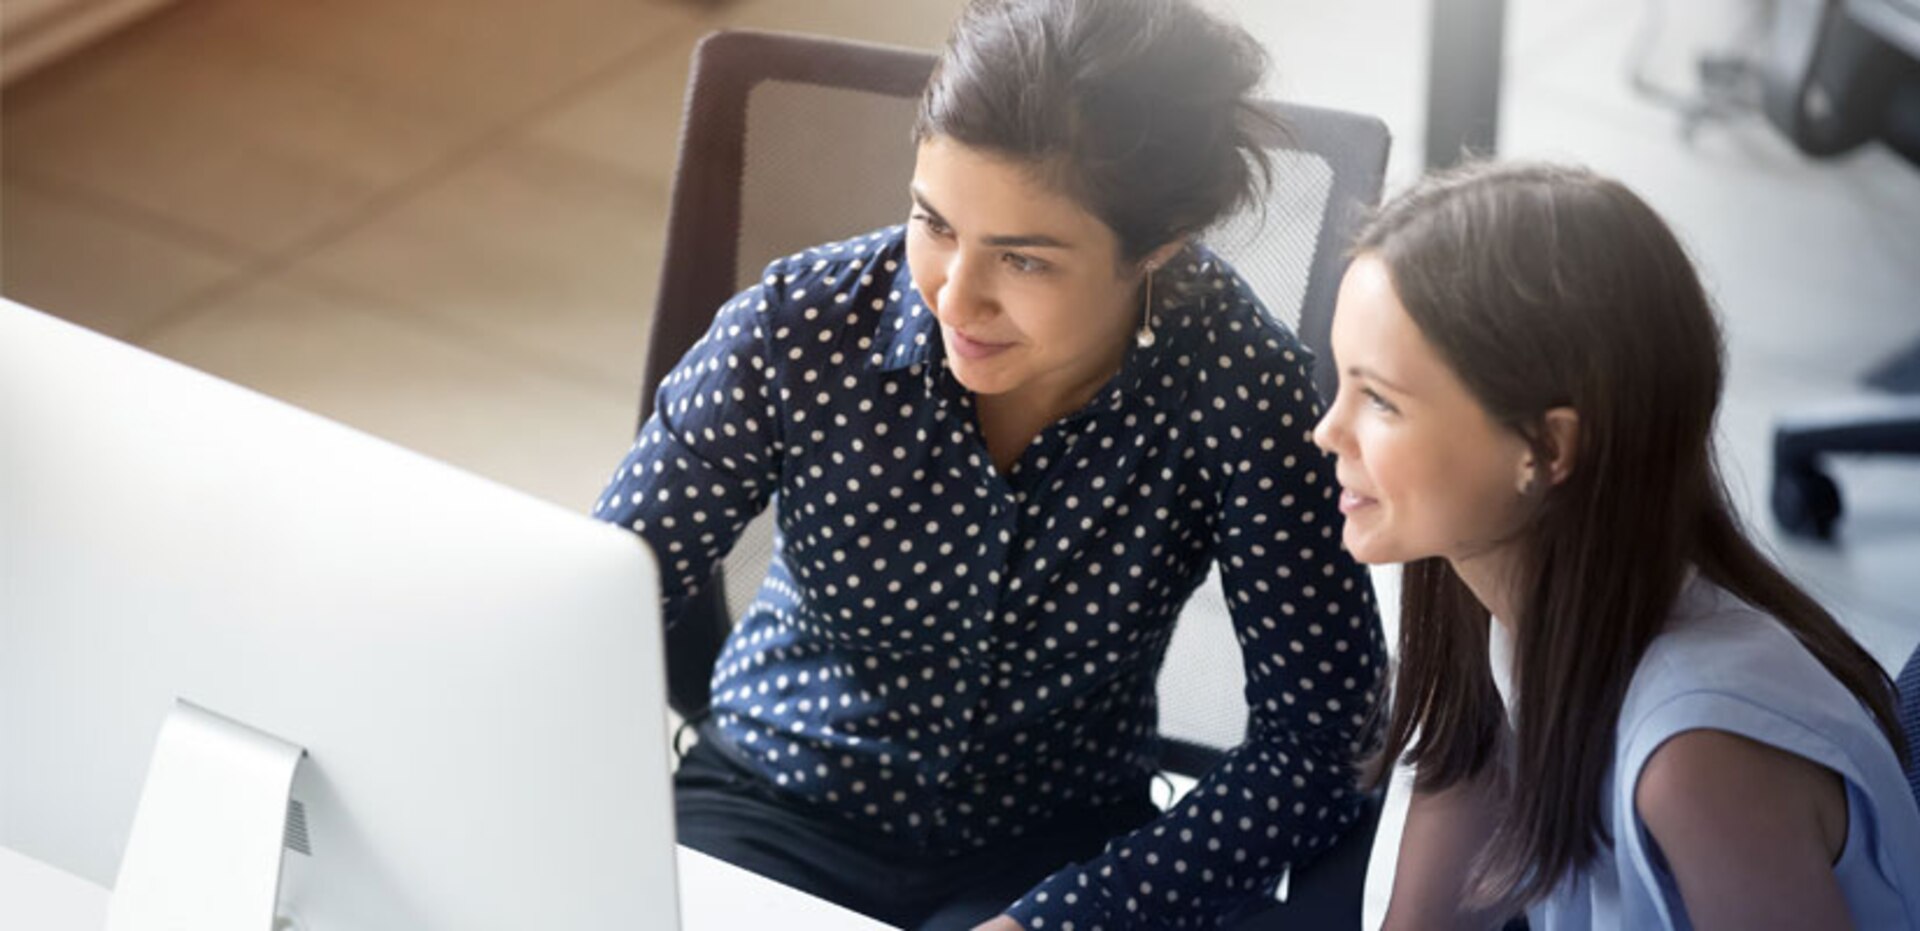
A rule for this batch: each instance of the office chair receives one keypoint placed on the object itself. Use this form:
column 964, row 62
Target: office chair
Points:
column 1842, row 73
column 766, row 112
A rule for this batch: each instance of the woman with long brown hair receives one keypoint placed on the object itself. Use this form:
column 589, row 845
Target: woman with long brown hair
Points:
column 1620, row 713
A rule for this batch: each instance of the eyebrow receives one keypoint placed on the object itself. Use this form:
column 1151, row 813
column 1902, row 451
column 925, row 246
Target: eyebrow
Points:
column 1024, row 241
column 1362, row 371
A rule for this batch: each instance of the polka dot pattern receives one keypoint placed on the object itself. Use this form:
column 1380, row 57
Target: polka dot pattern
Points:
column 953, row 656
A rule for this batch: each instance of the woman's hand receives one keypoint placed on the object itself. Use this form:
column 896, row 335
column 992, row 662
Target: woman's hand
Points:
column 999, row 923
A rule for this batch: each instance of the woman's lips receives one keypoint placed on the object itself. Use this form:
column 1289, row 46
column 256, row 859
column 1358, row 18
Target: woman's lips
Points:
column 967, row 347
column 1351, row 501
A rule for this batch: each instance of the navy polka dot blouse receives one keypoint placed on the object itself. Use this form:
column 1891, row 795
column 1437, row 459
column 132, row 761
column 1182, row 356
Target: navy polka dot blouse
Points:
column 951, row 656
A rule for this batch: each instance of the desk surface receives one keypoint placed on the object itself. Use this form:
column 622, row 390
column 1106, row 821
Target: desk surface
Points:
column 714, row 896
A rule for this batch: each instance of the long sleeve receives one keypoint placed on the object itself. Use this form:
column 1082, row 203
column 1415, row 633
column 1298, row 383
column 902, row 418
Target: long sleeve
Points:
column 1313, row 652
column 708, row 458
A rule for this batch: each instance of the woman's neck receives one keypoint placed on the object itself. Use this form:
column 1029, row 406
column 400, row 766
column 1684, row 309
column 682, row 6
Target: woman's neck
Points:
column 1010, row 421
column 1493, row 577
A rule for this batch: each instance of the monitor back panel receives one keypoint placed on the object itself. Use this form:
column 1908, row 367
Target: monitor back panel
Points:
column 476, row 674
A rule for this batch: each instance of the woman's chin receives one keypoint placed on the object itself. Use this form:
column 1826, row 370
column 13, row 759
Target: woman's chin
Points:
column 978, row 378
column 1365, row 550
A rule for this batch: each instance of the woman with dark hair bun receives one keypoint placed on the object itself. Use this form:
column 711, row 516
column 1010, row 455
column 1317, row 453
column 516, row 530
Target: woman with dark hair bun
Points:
column 1005, row 443
column 1619, row 712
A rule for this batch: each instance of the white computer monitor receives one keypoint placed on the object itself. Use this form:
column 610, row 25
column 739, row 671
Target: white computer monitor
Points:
column 475, row 674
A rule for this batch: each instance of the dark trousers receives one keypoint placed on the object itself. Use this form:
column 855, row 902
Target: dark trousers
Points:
column 727, row 811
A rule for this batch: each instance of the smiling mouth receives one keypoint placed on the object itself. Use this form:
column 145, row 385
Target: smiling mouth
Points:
column 967, row 347
column 1351, row 501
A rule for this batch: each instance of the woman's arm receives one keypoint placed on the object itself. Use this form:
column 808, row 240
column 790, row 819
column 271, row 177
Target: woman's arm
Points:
column 1446, row 830
column 1750, row 832
column 1313, row 652
column 707, row 459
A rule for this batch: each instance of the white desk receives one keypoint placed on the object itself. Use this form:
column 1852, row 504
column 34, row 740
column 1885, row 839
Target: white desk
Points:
column 714, row 896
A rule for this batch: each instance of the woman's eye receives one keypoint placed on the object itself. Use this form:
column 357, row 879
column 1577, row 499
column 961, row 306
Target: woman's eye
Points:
column 1024, row 264
column 934, row 225
column 1375, row 401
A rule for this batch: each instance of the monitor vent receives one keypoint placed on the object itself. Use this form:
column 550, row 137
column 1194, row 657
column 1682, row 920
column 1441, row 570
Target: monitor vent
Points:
column 297, row 828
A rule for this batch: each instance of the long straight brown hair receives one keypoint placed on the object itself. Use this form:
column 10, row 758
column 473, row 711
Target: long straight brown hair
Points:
column 1541, row 287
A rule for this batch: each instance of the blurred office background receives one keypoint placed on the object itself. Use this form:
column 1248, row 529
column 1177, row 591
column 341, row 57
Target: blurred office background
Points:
column 440, row 220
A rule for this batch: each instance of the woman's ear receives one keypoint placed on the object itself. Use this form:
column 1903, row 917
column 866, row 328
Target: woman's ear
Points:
column 1553, row 454
column 1560, row 434
column 1158, row 258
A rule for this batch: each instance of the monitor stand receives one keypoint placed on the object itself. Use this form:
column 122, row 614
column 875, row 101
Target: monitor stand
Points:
column 207, row 838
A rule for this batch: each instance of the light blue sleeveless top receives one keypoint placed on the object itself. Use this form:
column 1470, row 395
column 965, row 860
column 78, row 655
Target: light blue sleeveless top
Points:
column 1724, row 665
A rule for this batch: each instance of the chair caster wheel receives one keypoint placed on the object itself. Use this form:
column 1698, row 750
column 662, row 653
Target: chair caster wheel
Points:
column 1805, row 502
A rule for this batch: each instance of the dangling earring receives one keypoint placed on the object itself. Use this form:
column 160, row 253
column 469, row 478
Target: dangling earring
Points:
column 1144, row 338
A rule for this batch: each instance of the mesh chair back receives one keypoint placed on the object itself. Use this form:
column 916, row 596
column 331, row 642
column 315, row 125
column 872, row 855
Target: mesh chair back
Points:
column 1328, row 171
column 790, row 141
column 1909, row 686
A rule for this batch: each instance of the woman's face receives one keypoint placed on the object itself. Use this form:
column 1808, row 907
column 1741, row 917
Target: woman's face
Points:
column 1027, row 285
column 1423, row 469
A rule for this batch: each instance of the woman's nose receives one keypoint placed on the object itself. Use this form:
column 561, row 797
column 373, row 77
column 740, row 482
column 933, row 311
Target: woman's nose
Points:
column 962, row 296
column 1326, row 433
